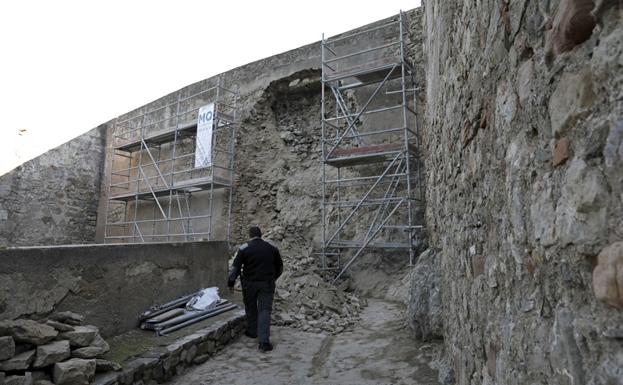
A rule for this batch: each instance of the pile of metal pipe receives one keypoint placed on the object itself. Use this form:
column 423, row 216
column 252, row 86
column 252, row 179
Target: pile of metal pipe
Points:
column 174, row 315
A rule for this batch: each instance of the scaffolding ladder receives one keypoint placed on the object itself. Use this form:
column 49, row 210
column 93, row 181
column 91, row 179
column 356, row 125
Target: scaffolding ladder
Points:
column 156, row 192
column 372, row 195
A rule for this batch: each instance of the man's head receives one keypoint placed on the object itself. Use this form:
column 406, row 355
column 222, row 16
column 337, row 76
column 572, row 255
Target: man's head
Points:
column 254, row 232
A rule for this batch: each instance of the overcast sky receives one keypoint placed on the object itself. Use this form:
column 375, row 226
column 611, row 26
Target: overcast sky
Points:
column 67, row 66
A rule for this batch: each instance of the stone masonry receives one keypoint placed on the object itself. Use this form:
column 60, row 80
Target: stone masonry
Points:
column 524, row 156
column 53, row 198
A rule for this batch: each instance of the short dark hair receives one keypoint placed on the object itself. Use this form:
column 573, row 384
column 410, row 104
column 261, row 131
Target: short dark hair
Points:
column 255, row 231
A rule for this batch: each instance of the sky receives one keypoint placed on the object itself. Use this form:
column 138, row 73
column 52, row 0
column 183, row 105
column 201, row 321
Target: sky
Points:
column 68, row 66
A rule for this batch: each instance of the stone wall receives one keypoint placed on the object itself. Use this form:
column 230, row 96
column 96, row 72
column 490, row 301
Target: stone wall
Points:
column 109, row 284
column 524, row 155
column 53, row 198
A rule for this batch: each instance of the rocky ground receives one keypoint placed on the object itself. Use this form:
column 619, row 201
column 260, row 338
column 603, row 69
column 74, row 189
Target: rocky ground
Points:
column 378, row 350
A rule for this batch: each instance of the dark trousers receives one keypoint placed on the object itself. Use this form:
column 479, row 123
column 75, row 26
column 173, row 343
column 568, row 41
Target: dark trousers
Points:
column 258, row 303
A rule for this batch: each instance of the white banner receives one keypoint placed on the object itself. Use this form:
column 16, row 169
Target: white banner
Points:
column 203, row 148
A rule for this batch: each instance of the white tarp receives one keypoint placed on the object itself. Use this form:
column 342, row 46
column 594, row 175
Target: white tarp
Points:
column 203, row 148
column 204, row 300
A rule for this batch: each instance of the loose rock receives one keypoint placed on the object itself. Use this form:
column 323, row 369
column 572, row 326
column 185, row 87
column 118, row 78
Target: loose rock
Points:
column 88, row 352
column 75, row 371
column 28, row 331
column 68, row 318
column 81, row 336
column 106, row 366
column 608, row 275
column 19, row 362
column 61, row 327
column 51, row 353
column 7, row 348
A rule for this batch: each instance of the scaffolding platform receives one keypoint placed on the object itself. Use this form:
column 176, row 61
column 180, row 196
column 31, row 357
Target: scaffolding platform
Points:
column 341, row 157
column 168, row 135
column 188, row 185
column 372, row 245
column 370, row 72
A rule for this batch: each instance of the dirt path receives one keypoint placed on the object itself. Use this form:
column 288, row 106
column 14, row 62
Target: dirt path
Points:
column 379, row 351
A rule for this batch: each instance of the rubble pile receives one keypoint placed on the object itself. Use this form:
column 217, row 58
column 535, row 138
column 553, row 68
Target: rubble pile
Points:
column 59, row 350
column 305, row 300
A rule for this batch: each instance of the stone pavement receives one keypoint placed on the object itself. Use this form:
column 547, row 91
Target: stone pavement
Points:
column 379, row 351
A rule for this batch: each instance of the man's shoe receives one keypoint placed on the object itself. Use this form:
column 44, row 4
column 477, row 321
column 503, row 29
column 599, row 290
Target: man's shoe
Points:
column 249, row 334
column 265, row 346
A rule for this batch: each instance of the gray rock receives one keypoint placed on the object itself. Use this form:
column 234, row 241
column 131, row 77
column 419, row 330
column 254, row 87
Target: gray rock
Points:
column 75, row 371
column 424, row 311
column 43, row 382
column 7, row 348
column 201, row 359
column 106, row 379
column 81, row 336
column 38, row 375
column 61, row 327
column 581, row 215
column 19, row 362
column 106, row 366
column 99, row 342
column 570, row 100
column 566, row 359
column 68, row 318
column 51, row 353
column 28, row 331
column 2, row 377
column 88, row 352
column 19, row 380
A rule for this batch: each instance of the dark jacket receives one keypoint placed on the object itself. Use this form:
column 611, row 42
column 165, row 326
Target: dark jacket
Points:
column 258, row 260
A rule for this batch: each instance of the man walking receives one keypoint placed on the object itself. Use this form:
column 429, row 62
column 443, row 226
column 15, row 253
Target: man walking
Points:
column 261, row 265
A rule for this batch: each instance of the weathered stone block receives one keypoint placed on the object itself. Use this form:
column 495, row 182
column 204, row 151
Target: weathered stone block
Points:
column 61, row 327
column 88, row 352
column 43, row 382
column 562, row 151
column 424, row 311
column 570, row 100
column 100, row 342
column 207, row 347
column 7, row 348
column 17, row 380
column 192, row 352
column 18, row 362
column 573, row 24
column 201, row 359
column 28, row 331
column 51, row 353
column 81, row 336
column 75, row 371
column 581, row 214
column 543, row 212
column 106, row 366
column 608, row 275
column 566, row 359
column 105, row 379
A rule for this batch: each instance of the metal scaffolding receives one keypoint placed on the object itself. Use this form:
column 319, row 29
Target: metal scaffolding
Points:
column 157, row 192
column 371, row 177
